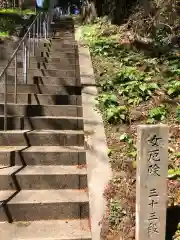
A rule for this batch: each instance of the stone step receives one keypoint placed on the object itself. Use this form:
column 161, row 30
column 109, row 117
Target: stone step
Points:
column 52, row 50
column 34, row 205
column 62, row 41
column 61, row 36
column 42, row 110
column 42, row 138
column 39, row 57
column 61, row 59
column 40, row 47
column 63, row 22
column 41, row 51
column 64, row 44
column 42, row 123
column 53, row 72
column 42, row 155
column 47, row 230
column 43, row 177
column 66, row 52
column 42, row 89
column 42, row 99
column 59, row 48
column 45, row 80
column 63, row 64
column 63, row 27
column 61, row 44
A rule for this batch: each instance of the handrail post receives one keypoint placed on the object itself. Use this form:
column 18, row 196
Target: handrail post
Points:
column 34, row 32
column 26, row 43
column 29, row 48
column 44, row 27
column 40, row 19
column 15, row 84
column 47, row 24
column 37, row 31
column 25, row 61
column 5, row 100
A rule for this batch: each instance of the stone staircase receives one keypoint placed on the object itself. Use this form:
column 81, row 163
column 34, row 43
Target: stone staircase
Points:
column 43, row 175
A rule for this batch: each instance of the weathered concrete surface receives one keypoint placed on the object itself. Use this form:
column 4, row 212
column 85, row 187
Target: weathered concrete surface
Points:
column 151, row 181
column 46, row 230
column 98, row 167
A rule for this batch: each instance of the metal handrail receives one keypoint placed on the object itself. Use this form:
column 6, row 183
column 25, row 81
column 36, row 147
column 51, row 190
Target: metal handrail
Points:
column 34, row 30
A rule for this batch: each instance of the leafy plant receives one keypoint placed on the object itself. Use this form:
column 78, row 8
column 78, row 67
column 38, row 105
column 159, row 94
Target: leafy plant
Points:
column 173, row 88
column 131, row 150
column 116, row 213
column 126, row 138
column 135, row 91
column 128, row 74
column 172, row 173
column 117, row 114
column 107, row 100
column 177, row 154
column 158, row 114
column 178, row 113
column 106, row 84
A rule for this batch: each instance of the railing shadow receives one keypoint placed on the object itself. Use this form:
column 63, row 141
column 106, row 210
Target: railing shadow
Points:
column 4, row 204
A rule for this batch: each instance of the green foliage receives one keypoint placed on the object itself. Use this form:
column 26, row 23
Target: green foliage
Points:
column 173, row 173
column 10, row 18
column 126, row 138
column 135, row 86
column 46, row 4
column 7, row 25
column 128, row 74
column 158, row 114
column 116, row 213
column 173, row 88
column 107, row 84
column 116, row 115
column 17, row 11
column 107, row 100
column 178, row 113
column 112, row 111
column 4, row 34
column 136, row 92
column 131, row 149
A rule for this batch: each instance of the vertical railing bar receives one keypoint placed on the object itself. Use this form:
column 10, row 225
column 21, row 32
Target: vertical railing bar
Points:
column 5, row 101
column 29, row 48
column 15, row 84
column 34, row 32
column 25, row 62
column 38, row 31
column 44, row 26
column 47, row 26
column 40, row 21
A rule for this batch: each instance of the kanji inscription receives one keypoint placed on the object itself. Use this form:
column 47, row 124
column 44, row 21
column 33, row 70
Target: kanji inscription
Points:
column 151, row 191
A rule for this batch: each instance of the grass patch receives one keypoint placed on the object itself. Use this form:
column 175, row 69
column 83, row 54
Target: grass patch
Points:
column 4, row 34
column 136, row 86
column 17, row 11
